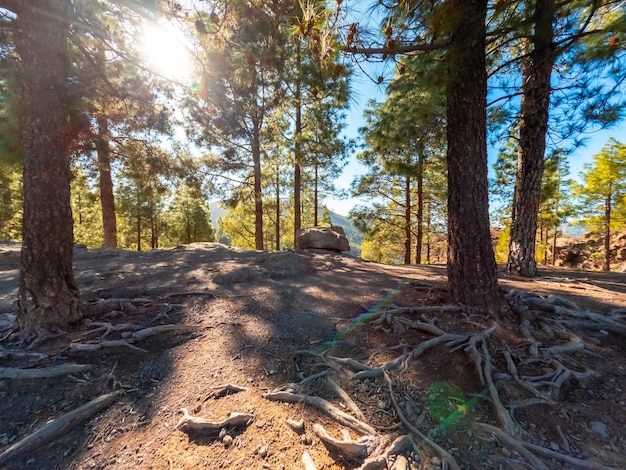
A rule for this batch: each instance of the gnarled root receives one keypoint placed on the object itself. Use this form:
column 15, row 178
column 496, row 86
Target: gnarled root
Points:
column 197, row 424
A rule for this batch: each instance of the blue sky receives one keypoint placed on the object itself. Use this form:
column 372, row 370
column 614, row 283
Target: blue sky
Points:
column 364, row 90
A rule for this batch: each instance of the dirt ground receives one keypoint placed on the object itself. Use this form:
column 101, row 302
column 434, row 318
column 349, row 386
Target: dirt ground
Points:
column 264, row 320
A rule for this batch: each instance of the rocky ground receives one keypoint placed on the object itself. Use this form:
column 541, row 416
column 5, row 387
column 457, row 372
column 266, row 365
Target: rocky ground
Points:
column 306, row 348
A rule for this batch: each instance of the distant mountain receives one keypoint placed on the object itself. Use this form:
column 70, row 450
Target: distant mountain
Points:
column 355, row 237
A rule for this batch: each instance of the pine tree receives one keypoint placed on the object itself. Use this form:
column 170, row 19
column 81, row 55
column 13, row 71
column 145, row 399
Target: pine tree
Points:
column 603, row 193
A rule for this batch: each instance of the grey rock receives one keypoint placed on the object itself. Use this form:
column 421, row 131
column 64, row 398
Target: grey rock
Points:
column 322, row 238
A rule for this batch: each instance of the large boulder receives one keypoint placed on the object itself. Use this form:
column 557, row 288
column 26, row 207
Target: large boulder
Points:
column 322, row 238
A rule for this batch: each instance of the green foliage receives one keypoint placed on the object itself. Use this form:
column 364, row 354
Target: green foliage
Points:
column 604, row 186
column 11, row 202
column 86, row 210
column 188, row 219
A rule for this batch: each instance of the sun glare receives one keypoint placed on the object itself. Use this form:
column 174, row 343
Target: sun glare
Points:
column 167, row 51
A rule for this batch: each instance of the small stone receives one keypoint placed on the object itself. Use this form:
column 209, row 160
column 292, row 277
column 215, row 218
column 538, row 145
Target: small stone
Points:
column 554, row 446
column 306, row 440
column 227, row 440
column 263, row 450
column 435, row 461
column 600, row 428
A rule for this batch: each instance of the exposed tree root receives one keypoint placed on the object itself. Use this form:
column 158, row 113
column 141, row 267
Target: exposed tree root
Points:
column 43, row 373
column 196, row 424
column 539, row 365
column 307, row 461
column 326, row 407
column 346, row 398
column 526, row 450
column 223, row 390
column 380, row 462
column 352, row 449
column 59, row 426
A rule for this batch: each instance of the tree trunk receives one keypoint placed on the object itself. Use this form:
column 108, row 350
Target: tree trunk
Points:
column 105, row 183
column 472, row 272
column 420, row 208
column 297, row 176
column 258, row 196
column 429, row 234
column 277, row 227
column 536, row 73
column 407, row 219
column 48, row 295
column 606, row 264
column 316, row 196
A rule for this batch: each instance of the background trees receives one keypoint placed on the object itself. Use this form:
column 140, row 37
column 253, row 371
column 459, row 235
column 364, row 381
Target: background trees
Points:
column 263, row 127
column 603, row 193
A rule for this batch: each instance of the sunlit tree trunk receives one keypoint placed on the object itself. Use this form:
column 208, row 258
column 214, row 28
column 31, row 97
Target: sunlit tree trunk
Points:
column 105, row 184
column 48, row 295
column 536, row 74
column 472, row 274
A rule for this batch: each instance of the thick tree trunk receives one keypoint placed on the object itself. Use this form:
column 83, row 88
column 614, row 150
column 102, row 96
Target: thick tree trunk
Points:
column 606, row 264
column 48, row 295
column 105, row 183
column 407, row 219
column 536, row 73
column 472, row 274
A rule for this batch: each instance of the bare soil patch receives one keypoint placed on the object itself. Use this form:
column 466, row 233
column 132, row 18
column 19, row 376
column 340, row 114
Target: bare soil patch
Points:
column 251, row 325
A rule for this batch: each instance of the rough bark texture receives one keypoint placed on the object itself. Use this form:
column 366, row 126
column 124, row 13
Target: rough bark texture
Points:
column 606, row 262
column 407, row 219
column 420, row 208
column 297, row 171
column 105, row 183
column 536, row 73
column 258, row 197
column 48, row 295
column 472, row 275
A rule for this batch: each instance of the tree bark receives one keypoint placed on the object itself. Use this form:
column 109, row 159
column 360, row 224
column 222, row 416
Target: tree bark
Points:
column 536, row 74
column 105, row 183
column 258, row 196
column 472, row 273
column 277, row 226
column 48, row 295
column 297, row 171
column 606, row 264
column 407, row 219
column 420, row 209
